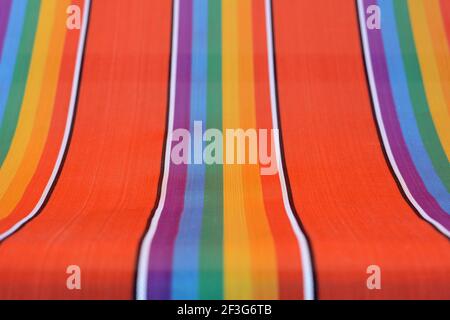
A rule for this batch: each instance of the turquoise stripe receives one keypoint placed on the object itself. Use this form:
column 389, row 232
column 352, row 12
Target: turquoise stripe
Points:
column 185, row 281
column 10, row 49
column 404, row 108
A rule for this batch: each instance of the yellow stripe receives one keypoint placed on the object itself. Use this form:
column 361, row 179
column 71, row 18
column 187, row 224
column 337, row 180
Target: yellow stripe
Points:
column 264, row 267
column 440, row 44
column 430, row 73
column 237, row 275
column 44, row 115
column 32, row 99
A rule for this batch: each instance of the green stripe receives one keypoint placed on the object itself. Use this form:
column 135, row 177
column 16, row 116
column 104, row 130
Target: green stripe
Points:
column 19, row 81
column 417, row 94
column 211, row 253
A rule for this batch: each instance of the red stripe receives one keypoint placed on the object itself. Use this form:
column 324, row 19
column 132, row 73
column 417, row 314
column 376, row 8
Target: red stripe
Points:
column 445, row 9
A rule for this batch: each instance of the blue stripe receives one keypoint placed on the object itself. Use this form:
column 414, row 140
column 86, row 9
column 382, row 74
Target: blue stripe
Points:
column 405, row 112
column 185, row 281
column 10, row 49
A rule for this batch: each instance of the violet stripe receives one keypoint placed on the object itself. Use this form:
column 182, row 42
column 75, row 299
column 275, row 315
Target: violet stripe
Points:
column 394, row 133
column 5, row 7
column 162, row 248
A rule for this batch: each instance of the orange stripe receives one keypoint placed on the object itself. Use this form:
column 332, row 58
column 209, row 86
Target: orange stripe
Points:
column 43, row 116
column 430, row 72
column 31, row 99
column 440, row 44
column 50, row 152
column 262, row 251
column 237, row 259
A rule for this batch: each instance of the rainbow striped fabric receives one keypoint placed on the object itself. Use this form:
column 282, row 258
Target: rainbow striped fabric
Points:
column 223, row 231
column 38, row 73
column 408, row 62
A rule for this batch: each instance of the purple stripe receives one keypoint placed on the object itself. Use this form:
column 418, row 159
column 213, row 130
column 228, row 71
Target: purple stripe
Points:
column 162, row 248
column 394, row 133
column 5, row 7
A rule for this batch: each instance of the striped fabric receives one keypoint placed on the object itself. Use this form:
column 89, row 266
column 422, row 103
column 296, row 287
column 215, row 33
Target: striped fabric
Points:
column 409, row 67
column 223, row 231
column 356, row 119
column 38, row 74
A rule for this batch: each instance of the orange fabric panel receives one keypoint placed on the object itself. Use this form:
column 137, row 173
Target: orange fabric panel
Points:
column 103, row 198
column 343, row 189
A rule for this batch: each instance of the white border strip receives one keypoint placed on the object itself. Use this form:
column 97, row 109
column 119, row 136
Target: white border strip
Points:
column 142, row 272
column 307, row 267
column 380, row 122
column 69, row 124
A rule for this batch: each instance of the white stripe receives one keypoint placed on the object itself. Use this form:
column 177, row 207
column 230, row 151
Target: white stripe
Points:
column 141, row 285
column 69, row 123
column 307, row 267
column 374, row 93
